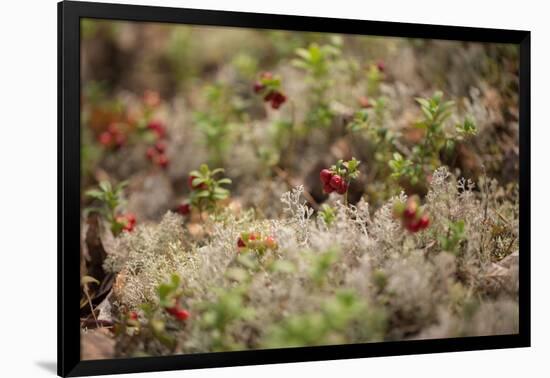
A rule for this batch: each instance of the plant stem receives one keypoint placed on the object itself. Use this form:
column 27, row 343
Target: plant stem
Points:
column 346, row 198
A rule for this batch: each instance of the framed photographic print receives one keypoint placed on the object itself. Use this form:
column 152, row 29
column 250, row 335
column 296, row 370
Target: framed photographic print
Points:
column 250, row 188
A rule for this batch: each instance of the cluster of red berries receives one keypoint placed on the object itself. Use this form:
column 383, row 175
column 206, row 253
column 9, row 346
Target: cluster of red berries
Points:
column 157, row 154
column 112, row 137
column 158, row 128
column 273, row 96
column 177, row 312
column 333, row 182
column 255, row 241
column 412, row 216
column 127, row 220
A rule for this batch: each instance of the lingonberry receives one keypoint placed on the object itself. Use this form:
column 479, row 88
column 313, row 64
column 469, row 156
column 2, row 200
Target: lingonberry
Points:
column 182, row 315
column 151, row 153
column 277, row 100
column 184, row 208
column 105, row 138
column 256, row 241
column 269, row 96
column 270, row 242
column 130, row 217
column 240, row 243
column 162, row 160
column 258, row 87
column 178, row 312
column 335, row 182
column 127, row 221
column 343, row 188
column 325, row 176
column 380, row 65
column 133, row 315
column 424, row 221
column 327, row 188
column 412, row 216
column 158, row 128
column 413, row 226
column 160, row 146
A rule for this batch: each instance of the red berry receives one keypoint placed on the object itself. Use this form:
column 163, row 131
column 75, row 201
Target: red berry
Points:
column 325, row 176
column 335, row 182
column 157, row 127
column 409, row 213
column 182, row 314
column 127, row 221
column 105, row 138
column 269, row 96
column 258, row 87
column 240, row 243
column 424, row 222
column 184, row 208
column 151, row 153
column 128, row 227
column 160, row 146
column 270, row 242
column 253, row 236
column 131, row 218
column 380, row 65
column 162, row 160
column 172, row 310
column 178, row 312
column 327, row 188
column 277, row 100
column 133, row 315
column 343, row 188
column 413, row 226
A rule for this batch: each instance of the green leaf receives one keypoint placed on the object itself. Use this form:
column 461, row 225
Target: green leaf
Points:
column 423, row 102
column 303, row 53
column 197, row 181
column 202, row 194
column 216, row 171
column 224, row 180
column 105, row 186
column 94, row 193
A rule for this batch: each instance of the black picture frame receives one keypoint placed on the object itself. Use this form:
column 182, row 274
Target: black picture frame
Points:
column 69, row 15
